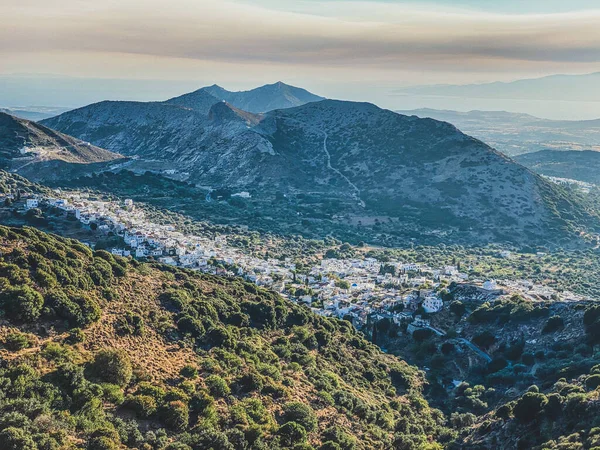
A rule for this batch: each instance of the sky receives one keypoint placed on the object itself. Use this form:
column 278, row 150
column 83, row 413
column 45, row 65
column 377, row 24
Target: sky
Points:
column 360, row 50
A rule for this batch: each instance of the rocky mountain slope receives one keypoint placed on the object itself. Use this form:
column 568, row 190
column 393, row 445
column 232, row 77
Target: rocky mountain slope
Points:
column 102, row 352
column 353, row 160
column 34, row 150
column 516, row 133
column 576, row 165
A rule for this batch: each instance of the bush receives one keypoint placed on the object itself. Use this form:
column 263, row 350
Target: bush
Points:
column 113, row 366
column 529, row 406
column 291, row 433
column 217, row 386
column 16, row 341
column 16, row 439
column 22, row 303
column 76, row 335
column 143, row 405
column 301, row 414
column 593, row 381
column 189, row 371
column 175, row 415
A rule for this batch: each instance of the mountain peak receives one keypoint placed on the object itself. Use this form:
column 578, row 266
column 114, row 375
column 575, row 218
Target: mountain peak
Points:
column 264, row 98
column 223, row 112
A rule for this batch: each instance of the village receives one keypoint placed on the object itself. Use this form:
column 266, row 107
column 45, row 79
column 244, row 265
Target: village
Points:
column 361, row 290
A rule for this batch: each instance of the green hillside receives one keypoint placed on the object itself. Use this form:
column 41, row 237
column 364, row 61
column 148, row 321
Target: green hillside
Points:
column 101, row 352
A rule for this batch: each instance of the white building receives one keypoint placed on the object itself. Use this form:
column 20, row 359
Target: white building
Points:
column 32, row 203
column 432, row 304
column 490, row 285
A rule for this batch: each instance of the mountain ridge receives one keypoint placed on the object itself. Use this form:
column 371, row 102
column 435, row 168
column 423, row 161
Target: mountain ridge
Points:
column 32, row 149
column 367, row 161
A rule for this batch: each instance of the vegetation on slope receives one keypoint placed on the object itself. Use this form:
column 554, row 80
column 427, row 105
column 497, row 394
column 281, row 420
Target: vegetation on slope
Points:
column 102, row 352
column 566, row 417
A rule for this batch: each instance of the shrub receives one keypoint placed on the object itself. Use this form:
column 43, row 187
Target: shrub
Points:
column 22, row 303
column 217, row 386
column 301, row 414
column 102, row 443
column 175, row 415
column 76, row 335
column 291, row 433
column 189, row 371
column 16, row 341
column 143, row 405
column 593, row 381
column 16, row 439
column 113, row 366
column 529, row 407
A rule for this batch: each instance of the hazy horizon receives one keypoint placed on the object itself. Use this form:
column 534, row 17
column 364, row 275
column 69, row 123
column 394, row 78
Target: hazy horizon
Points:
column 356, row 50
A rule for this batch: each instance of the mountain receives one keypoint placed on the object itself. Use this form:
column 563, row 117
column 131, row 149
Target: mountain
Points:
column 262, row 99
column 583, row 88
column 36, row 151
column 576, row 165
column 265, row 98
column 354, row 161
column 34, row 113
column 104, row 352
column 517, row 133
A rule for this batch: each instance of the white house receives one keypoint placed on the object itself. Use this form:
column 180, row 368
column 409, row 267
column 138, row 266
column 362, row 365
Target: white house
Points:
column 490, row 285
column 32, row 203
column 432, row 304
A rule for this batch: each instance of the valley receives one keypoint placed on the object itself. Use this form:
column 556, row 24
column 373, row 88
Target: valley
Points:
column 242, row 245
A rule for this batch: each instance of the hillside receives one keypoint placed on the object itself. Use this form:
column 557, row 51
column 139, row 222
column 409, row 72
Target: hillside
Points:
column 576, row 165
column 353, row 163
column 34, row 113
column 515, row 134
column 101, row 352
column 36, row 151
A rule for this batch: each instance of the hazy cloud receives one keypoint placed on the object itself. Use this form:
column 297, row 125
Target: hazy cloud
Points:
column 386, row 36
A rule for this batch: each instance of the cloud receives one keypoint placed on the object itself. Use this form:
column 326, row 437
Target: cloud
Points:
column 337, row 34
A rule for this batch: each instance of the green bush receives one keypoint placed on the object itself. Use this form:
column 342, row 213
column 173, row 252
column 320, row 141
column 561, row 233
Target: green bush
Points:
column 593, row 381
column 13, row 438
column 175, row 415
column 113, row 366
column 189, row 371
column 16, row 341
column 301, row 414
column 143, row 405
column 529, row 407
column 217, row 386
column 22, row 303
column 291, row 433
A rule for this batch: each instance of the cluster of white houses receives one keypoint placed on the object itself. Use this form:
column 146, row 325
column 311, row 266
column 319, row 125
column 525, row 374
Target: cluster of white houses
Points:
column 356, row 289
